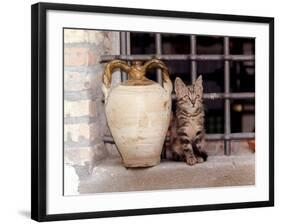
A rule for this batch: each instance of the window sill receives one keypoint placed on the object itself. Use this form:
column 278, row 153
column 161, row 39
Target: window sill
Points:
column 111, row 176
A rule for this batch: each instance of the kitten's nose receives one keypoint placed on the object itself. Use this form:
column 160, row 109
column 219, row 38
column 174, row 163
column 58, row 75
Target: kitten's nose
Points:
column 193, row 103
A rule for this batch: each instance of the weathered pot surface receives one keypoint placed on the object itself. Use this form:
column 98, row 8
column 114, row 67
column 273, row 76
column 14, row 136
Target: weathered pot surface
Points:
column 138, row 113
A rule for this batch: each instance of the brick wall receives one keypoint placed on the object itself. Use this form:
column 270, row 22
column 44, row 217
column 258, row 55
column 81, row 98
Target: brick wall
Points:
column 84, row 118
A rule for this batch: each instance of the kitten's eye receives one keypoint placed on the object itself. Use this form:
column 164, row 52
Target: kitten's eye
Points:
column 197, row 96
column 185, row 141
column 197, row 140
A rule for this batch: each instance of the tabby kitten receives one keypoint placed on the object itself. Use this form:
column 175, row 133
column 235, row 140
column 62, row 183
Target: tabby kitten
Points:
column 186, row 132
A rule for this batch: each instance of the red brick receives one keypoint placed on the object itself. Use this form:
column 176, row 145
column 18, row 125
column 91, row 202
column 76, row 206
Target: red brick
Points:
column 79, row 56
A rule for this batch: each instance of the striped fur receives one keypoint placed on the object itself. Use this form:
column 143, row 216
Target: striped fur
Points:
column 186, row 132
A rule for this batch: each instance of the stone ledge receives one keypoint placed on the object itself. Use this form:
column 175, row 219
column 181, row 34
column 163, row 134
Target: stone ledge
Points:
column 111, row 176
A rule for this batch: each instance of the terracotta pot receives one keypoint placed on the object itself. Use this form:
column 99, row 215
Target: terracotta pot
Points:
column 252, row 144
column 138, row 112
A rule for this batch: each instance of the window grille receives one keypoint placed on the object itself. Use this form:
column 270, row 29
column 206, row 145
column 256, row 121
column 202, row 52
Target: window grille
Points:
column 193, row 58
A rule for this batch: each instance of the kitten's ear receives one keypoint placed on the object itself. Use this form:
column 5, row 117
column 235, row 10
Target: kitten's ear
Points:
column 199, row 80
column 180, row 87
column 199, row 84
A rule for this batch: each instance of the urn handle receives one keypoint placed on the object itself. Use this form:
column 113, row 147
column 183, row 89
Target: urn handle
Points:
column 110, row 67
column 136, row 72
column 155, row 63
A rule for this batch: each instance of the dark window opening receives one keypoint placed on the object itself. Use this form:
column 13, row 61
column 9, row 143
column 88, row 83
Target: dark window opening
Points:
column 227, row 65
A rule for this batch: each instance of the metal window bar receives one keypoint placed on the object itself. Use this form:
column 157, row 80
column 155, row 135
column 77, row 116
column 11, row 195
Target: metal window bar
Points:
column 128, row 45
column 210, row 137
column 227, row 128
column 193, row 62
column 193, row 57
column 158, row 44
column 123, row 51
column 179, row 57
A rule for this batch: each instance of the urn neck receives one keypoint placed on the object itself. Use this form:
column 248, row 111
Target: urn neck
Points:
column 137, row 70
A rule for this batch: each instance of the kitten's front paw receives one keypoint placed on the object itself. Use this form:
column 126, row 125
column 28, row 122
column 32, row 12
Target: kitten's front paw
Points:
column 191, row 160
column 199, row 159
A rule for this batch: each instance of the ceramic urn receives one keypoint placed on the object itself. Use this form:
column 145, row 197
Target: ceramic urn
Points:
column 138, row 112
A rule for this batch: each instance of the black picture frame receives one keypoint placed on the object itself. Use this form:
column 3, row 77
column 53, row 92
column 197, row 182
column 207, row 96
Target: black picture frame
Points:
column 39, row 108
